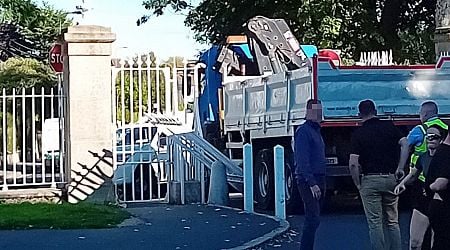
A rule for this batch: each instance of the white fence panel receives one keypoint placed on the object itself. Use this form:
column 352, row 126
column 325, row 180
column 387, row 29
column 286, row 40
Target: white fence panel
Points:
column 31, row 138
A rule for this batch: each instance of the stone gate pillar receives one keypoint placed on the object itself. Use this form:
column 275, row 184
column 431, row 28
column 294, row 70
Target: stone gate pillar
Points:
column 442, row 35
column 88, row 120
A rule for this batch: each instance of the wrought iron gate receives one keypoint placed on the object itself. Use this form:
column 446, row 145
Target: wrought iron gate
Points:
column 152, row 99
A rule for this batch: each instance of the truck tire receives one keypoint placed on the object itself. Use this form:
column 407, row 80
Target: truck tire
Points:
column 263, row 179
column 264, row 183
column 293, row 199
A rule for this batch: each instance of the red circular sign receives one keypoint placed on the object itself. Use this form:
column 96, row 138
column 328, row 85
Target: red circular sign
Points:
column 56, row 58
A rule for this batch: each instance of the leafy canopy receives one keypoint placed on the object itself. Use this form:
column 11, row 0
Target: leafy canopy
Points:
column 38, row 27
column 19, row 72
column 406, row 26
column 27, row 32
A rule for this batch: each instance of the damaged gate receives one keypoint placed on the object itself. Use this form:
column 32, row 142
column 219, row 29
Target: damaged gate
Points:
column 152, row 100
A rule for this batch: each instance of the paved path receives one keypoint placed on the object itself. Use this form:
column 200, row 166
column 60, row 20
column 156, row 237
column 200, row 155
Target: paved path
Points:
column 159, row 227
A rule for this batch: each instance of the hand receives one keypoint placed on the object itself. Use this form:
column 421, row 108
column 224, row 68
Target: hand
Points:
column 399, row 174
column 315, row 190
column 399, row 189
column 437, row 197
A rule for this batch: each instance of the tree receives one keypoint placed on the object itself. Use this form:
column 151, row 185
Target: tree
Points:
column 158, row 7
column 19, row 73
column 406, row 26
column 13, row 42
column 36, row 27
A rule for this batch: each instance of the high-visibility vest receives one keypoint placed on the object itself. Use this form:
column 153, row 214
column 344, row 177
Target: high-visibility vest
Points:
column 422, row 148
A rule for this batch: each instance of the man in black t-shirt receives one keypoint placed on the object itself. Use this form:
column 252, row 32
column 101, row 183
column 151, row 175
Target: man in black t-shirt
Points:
column 375, row 156
column 437, row 183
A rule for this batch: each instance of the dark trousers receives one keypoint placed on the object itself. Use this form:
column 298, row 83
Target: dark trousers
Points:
column 312, row 208
column 439, row 214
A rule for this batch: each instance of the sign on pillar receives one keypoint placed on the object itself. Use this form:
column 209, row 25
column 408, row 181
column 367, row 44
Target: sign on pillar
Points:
column 56, row 58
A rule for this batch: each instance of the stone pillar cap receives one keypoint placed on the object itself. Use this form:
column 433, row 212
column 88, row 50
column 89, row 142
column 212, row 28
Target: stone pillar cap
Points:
column 89, row 34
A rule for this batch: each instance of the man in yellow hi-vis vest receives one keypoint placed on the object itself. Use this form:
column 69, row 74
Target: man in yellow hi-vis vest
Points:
column 417, row 141
column 416, row 137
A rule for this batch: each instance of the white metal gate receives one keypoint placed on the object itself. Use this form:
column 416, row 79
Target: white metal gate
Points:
column 152, row 100
column 31, row 138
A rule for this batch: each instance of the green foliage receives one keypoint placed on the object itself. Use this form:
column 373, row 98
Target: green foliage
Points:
column 40, row 25
column 352, row 26
column 25, row 73
column 157, row 7
column 418, row 45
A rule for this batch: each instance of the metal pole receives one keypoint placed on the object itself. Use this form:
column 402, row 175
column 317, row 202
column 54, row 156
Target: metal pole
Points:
column 248, row 178
column 280, row 204
column 62, row 153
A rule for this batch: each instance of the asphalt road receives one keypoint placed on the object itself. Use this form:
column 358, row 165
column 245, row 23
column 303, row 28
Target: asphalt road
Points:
column 336, row 231
column 343, row 226
column 163, row 226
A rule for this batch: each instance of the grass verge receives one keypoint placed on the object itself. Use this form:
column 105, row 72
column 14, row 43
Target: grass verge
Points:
column 60, row 216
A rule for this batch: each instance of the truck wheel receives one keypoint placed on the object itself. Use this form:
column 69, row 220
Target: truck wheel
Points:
column 263, row 179
column 293, row 200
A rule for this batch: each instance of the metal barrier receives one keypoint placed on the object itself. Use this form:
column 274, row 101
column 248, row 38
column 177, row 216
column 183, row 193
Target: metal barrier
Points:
column 280, row 192
column 248, row 178
column 31, row 142
column 190, row 156
column 279, row 178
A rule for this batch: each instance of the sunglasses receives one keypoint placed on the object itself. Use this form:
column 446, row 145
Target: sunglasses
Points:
column 432, row 137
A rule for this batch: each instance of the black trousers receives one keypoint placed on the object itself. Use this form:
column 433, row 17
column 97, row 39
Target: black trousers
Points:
column 312, row 208
column 439, row 215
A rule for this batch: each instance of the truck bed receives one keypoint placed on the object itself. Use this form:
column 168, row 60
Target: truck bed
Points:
column 277, row 102
column 267, row 102
column 397, row 91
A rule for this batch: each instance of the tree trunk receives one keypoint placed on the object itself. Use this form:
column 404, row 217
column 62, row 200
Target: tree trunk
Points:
column 443, row 15
column 389, row 23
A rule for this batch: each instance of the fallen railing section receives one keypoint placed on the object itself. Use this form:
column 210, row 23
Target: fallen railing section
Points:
column 190, row 158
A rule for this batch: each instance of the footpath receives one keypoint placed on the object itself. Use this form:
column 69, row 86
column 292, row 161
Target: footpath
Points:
column 160, row 226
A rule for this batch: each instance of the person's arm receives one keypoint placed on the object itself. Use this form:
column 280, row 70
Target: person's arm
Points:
column 439, row 184
column 302, row 156
column 415, row 170
column 404, row 154
column 401, row 186
column 353, row 165
column 415, row 137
